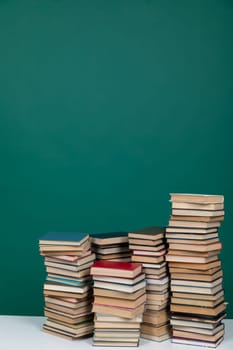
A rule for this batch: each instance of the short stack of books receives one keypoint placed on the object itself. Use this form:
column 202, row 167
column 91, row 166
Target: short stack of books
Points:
column 111, row 246
column 68, row 287
column 119, row 299
column 197, row 303
column 149, row 249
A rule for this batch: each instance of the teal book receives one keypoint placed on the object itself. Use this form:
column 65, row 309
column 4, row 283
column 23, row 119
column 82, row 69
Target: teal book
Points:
column 54, row 237
column 109, row 234
column 69, row 282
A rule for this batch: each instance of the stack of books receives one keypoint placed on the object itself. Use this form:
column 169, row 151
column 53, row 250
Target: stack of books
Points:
column 68, row 287
column 111, row 246
column 149, row 249
column 197, row 302
column 119, row 299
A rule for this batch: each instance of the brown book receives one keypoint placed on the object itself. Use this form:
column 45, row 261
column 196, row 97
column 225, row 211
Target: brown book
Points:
column 191, row 225
column 156, row 338
column 155, row 307
column 197, row 213
column 208, row 311
column 120, row 302
column 199, row 330
column 200, row 266
column 156, row 317
column 190, row 230
column 66, row 294
column 147, row 248
column 192, row 296
column 77, row 311
column 189, row 259
column 83, row 333
column 116, row 311
column 200, row 337
column 196, row 198
column 66, row 318
column 197, row 277
column 202, row 319
column 113, row 256
column 148, row 328
column 214, row 219
column 197, row 302
column 146, row 242
column 148, row 259
column 192, row 241
column 195, row 247
column 192, row 253
column 156, row 272
column 117, row 325
column 196, row 289
column 197, row 206
column 115, row 294
column 67, row 273
column 204, row 284
column 112, row 343
column 197, row 238
column 150, row 233
column 187, row 271
column 71, row 303
column 150, row 296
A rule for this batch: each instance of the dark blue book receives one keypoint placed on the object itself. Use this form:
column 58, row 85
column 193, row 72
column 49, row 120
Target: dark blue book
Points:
column 109, row 237
column 58, row 238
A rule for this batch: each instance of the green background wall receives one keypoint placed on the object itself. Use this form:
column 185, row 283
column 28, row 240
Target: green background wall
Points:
column 105, row 108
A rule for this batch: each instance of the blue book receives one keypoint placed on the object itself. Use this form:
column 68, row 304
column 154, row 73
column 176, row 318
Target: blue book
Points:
column 109, row 238
column 61, row 237
column 69, row 281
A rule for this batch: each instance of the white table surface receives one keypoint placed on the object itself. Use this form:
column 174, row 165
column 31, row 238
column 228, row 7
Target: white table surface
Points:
column 24, row 333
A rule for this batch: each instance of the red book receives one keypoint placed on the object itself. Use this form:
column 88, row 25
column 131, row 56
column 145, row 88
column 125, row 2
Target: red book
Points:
column 116, row 269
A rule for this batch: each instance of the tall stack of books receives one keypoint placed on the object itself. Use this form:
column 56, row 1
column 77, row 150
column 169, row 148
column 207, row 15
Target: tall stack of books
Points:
column 149, row 249
column 119, row 299
column 197, row 303
column 68, row 287
column 111, row 246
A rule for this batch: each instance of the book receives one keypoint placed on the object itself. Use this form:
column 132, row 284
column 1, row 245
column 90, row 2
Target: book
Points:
column 120, row 287
column 196, row 289
column 64, row 238
column 49, row 286
column 198, row 213
column 191, row 225
column 116, row 311
column 149, row 253
column 147, row 259
column 199, row 310
column 196, row 198
column 117, row 343
column 190, row 241
column 195, row 247
column 200, row 266
column 150, row 233
column 197, row 206
column 189, row 259
column 177, row 340
column 191, row 236
column 190, row 230
column 120, row 280
column 197, row 302
column 120, row 302
column 206, row 219
column 109, row 238
column 112, row 268
column 156, row 248
column 197, row 277
column 117, row 294
column 200, row 296
column 68, row 273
